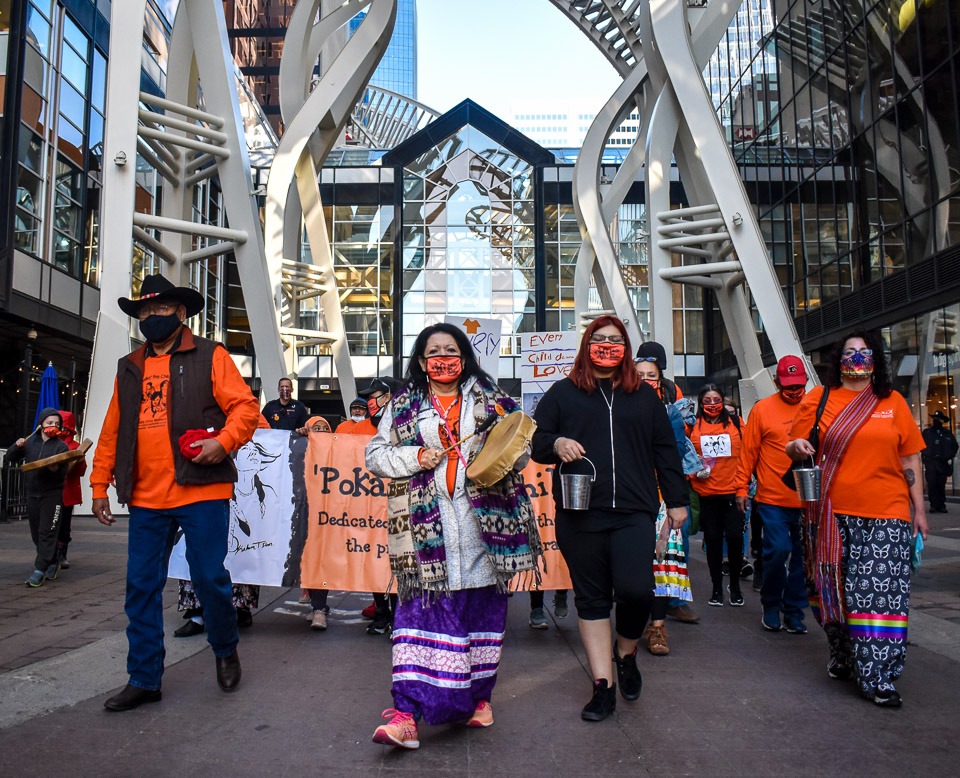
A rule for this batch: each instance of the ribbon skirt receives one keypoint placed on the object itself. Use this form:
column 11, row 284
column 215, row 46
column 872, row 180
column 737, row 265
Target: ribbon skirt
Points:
column 446, row 651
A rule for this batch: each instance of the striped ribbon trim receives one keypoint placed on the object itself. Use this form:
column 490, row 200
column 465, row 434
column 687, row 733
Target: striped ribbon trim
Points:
column 877, row 625
column 829, row 545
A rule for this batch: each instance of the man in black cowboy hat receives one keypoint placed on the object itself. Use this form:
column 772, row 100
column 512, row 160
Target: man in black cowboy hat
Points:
column 938, row 460
column 179, row 407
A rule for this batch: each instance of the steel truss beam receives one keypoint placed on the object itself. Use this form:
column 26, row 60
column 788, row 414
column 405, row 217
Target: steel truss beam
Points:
column 669, row 44
column 315, row 121
column 184, row 144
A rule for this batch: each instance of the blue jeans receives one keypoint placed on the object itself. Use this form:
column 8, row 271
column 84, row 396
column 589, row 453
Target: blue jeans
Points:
column 152, row 535
column 676, row 602
column 783, row 588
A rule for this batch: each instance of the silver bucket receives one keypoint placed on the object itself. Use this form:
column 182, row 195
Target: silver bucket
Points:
column 808, row 481
column 576, row 488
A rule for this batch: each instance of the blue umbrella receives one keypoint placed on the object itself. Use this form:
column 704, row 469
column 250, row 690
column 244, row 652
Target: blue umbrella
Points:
column 49, row 392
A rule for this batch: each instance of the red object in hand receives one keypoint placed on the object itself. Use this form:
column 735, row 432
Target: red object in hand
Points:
column 192, row 436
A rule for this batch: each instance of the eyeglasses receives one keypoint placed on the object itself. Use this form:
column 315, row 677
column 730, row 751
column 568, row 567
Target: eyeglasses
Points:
column 849, row 352
column 156, row 309
column 618, row 339
column 645, row 359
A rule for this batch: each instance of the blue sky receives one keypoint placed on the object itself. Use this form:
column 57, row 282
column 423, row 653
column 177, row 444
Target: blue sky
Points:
column 502, row 52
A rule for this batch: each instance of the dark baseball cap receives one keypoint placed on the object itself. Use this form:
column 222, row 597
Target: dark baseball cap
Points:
column 386, row 384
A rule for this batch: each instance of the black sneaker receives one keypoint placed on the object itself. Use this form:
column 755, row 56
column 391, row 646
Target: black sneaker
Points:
column 736, row 597
column 838, row 671
column 381, row 625
column 602, row 703
column 725, row 567
column 887, row 698
column 747, row 570
column 757, row 583
column 716, row 599
column 628, row 674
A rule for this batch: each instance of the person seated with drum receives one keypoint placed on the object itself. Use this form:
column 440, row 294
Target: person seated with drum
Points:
column 454, row 544
column 604, row 412
column 44, row 489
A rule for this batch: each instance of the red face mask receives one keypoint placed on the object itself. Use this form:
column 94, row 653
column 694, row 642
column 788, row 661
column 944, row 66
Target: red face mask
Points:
column 652, row 382
column 444, row 370
column 606, row 354
column 373, row 405
column 712, row 409
column 792, row 394
column 52, row 431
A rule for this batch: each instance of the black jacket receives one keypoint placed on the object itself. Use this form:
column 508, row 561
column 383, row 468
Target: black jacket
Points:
column 632, row 446
column 42, row 481
column 291, row 416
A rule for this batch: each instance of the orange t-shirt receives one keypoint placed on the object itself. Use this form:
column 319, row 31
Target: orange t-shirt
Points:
column 722, row 444
column 869, row 481
column 764, row 441
column 154, row 480
column 450, row 405
column 351, row 427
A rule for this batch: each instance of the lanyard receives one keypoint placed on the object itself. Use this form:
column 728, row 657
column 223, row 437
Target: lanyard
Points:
column 443, row 418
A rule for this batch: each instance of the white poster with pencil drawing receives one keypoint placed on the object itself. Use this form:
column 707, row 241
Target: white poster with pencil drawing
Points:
column 261, row 513
column 484, row 336
column 545, row 358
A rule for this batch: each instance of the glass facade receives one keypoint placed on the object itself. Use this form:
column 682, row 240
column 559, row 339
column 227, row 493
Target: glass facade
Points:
column 844, row 123
column 59, row 142
column 397, row 70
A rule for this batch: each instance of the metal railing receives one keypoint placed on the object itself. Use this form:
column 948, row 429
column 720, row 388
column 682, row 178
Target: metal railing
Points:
column 13, row 500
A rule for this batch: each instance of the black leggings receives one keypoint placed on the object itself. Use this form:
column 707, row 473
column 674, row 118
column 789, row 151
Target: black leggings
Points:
column 43, row 513
column 610, row 557
column 719, row 519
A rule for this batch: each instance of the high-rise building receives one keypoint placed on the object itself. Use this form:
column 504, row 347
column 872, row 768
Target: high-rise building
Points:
column 257, row 28
column 397, row 70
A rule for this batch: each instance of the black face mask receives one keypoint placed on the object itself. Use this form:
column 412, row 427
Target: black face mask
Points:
column 157, row 329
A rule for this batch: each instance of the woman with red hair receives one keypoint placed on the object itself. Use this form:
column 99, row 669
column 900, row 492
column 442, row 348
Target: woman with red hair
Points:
column 605, row 413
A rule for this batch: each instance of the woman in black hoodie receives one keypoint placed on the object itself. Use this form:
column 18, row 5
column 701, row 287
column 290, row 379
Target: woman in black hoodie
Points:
column 44, row 491
column 604, row 412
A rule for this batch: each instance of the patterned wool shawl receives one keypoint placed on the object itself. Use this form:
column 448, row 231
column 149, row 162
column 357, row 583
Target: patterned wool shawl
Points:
column 825, row 547
column 508, row 526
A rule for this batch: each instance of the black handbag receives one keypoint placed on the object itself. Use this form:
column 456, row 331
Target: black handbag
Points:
column 813, row 438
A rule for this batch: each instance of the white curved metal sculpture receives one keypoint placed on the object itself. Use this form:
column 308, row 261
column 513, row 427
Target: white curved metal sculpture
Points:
column 383, row 119
column 315, row 120
column 660, row 48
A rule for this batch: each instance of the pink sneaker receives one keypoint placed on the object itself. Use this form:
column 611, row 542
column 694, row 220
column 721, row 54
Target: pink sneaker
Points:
column 482, row 716
column 400, row 730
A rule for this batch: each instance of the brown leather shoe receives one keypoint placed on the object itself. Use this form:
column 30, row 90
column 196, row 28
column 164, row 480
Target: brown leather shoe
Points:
column 657, row 640
column 228, row 672
column 130, row 697
column 683, row 613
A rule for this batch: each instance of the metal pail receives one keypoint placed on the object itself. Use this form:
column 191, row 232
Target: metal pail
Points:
column 808, row 483
column 576, row 488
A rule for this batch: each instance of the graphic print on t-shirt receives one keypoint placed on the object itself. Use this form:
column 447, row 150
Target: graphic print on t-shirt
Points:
column 153, row 402
column 715, row 445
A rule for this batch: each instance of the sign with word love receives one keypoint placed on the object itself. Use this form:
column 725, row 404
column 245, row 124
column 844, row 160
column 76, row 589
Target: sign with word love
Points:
column 484, row 336
column 545, row 358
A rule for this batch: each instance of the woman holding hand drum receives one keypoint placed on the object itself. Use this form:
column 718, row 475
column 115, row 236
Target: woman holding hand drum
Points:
column 605, row 413
column 859, row 534
column 454, row 545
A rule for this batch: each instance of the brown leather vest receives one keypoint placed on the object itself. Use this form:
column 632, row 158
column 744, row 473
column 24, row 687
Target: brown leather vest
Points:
column 190, row 405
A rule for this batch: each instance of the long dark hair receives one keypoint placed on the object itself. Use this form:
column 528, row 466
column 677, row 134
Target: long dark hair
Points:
column 724, row 414
column 471, row 368
column 626, row 377
column 881, row 382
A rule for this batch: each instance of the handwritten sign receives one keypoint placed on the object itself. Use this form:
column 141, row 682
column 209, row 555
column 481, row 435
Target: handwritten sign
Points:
column 545, row 358
column 484, row 336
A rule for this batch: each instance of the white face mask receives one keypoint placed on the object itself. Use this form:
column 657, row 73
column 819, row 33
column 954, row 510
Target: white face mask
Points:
column 357, row 417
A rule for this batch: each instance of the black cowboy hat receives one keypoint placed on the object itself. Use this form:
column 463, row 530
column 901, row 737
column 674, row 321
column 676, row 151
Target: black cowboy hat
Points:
column 940, row 416
column 386, row 384
column 157, row 288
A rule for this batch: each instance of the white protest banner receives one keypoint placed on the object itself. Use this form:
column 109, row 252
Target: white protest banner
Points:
column 261, row 513
column 545, row 358
column 484, row 336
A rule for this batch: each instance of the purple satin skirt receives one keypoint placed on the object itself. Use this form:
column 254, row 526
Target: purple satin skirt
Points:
column 446, row 653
